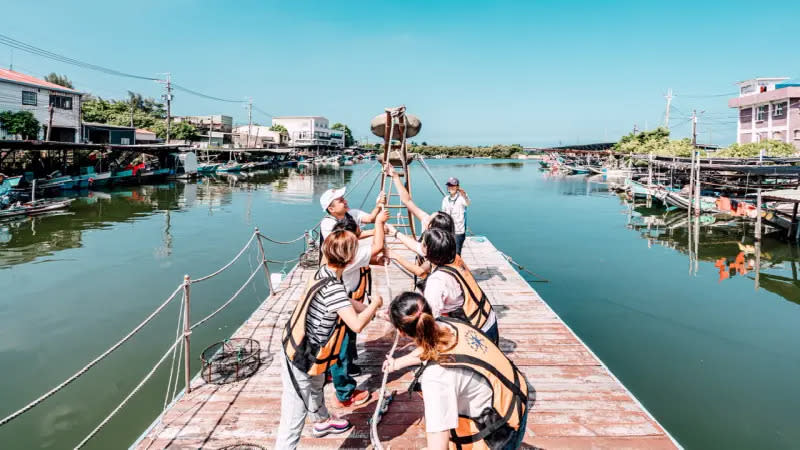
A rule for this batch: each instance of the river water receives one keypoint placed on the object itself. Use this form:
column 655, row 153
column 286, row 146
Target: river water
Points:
column 709, row 348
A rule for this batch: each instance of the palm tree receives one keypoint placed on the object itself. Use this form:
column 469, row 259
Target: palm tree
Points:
column 136, row 101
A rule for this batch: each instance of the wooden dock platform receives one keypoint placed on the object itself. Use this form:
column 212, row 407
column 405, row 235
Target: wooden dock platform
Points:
column 575, row 400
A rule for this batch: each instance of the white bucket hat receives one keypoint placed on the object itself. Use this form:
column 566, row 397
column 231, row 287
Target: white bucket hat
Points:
column 329, row 196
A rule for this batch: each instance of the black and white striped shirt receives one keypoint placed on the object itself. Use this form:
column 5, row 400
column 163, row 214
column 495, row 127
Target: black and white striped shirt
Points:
column 322, row 312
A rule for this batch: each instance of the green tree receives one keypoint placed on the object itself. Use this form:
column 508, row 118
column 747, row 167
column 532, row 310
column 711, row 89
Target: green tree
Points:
column 279, row 128
column 753, row 149
column 180, row 130
column 60, row 80
column 20, row 123
column 146, row 114
column 348, row 135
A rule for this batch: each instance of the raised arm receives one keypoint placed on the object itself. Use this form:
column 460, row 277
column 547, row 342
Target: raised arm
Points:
column 408, row 241
column 357, row 321
column 378, row 237
column 405, row 197
column 379, row 202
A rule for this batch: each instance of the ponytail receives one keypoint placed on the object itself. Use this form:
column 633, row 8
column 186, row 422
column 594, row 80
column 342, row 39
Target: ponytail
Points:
column 412, row 315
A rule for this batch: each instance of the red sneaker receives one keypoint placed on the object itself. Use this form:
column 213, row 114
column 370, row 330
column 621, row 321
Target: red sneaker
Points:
column 358, row 398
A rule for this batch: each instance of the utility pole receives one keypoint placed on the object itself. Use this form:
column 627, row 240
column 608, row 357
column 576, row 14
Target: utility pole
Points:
column 669, row 101
column 694, row 128
column 249, row 120
column 635, row 129
column 49, row 121
column 168, row 98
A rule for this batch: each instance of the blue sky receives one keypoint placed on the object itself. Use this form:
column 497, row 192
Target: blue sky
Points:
column 534, row 73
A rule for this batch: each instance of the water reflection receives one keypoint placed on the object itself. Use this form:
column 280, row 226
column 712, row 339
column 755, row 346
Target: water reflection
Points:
column 29, row 238
column 727, row 244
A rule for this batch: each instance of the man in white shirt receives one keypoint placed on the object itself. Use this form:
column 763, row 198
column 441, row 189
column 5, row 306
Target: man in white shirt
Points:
column 335, row 206
column 455, row 204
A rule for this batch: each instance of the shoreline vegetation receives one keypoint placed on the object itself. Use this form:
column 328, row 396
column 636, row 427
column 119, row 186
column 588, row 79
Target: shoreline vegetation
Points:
column 462, row 151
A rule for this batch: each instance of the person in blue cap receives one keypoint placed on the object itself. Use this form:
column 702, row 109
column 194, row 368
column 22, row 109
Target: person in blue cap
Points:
column 455, row 204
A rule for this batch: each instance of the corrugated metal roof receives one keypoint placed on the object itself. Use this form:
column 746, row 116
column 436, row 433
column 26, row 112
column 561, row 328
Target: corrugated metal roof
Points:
column 21, row 78
column 785, row 195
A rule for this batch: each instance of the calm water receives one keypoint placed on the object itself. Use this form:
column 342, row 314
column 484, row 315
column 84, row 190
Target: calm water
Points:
column 715, row 359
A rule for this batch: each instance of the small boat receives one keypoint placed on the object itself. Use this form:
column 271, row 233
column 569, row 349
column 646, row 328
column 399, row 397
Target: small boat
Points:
column 55, row 181
column 151, row 175
column 122, row 176
column 33, row 207
column 207, row 168
column 230, row 166
column 89, row 177
column 182, row 165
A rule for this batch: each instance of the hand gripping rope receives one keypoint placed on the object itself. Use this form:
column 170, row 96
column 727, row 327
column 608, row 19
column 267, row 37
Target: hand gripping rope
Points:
column 383, row 401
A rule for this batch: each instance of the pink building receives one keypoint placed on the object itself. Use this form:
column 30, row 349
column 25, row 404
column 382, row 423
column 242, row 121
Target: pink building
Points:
column 769, row 108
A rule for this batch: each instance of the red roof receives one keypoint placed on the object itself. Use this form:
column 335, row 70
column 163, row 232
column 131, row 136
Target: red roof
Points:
column 21, row 78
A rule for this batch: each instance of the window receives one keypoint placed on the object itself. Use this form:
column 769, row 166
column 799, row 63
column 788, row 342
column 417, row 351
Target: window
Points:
column 61, row 101
column 797, row 135
column 125, row 141
column 29, row 98
column 761, row 113
column 777, row 110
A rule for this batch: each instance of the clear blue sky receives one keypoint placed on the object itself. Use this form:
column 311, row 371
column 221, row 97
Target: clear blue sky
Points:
column 535, row 73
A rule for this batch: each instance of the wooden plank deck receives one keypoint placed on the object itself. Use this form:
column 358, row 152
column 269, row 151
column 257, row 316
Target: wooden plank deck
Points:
column 575, row 401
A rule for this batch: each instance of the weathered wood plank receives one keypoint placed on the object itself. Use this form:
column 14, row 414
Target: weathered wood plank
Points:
column 575, row 401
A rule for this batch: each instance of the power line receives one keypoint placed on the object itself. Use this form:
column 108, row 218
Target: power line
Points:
column 209, row 97
column 13, row 43
column 726, row 94
column 262, row 111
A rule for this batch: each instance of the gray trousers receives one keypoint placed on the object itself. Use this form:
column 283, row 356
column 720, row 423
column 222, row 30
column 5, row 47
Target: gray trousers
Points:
column 293, row 407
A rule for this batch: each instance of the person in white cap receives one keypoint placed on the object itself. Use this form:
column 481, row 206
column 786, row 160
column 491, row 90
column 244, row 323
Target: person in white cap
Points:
column 455, row 204
column 335, row 206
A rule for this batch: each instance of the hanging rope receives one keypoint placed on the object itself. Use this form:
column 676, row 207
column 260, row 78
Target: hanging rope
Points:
column 541, row 279
column 91, row 364
column 235, row 258
column 174, row 351
column 224, row 305
column 275, row 241
column 366, row 196
column 373, row 433
column 430, row 174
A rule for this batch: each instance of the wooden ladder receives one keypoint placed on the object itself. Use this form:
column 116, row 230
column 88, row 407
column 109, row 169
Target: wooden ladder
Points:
column 396, row 153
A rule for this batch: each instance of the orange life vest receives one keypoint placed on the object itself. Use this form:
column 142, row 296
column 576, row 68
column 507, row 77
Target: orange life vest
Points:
column 364, row 285
column 476, row 308
column 311, row 358
column 474, row 351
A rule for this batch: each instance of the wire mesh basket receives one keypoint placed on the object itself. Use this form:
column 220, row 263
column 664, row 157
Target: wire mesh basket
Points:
column 243, row 446
column 230, row 360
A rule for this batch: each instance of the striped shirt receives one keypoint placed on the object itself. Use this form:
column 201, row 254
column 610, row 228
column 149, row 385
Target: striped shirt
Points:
column 322, row 312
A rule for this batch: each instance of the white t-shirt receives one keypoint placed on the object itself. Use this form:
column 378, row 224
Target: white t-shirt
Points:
column 456, row 208
column 443, row 293
column 448, row 392
column 352, row 273
column 327, row 224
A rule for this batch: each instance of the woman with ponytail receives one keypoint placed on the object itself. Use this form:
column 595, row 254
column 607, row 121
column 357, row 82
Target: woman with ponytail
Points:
column 474, row 396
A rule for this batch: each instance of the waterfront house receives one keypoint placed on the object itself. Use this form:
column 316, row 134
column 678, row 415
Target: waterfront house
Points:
column 310, row 132
column 103, row 133
column 769, row 108
column 146, row 137
column 257, row 136
column 213, row 130
column 21, row 92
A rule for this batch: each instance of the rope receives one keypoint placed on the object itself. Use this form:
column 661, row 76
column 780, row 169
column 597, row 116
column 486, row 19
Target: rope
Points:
column 86, row 368
column 541, row 279
column 131, row 394
column 275, row 241
column 403, row 269
column 373, row 432
column 363, row 202
column 435, row 183
column 363, row 175
column 172, row 363
column 235, row 258
column 224, row 305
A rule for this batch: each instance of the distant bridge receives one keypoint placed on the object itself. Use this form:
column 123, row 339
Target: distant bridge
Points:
column 598, row 147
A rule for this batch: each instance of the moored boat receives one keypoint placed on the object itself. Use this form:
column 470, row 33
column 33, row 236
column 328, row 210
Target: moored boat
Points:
column 33, row 207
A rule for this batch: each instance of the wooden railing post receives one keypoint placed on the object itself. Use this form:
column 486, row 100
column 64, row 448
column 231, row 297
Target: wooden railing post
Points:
column 187, row 331
column 264, row 261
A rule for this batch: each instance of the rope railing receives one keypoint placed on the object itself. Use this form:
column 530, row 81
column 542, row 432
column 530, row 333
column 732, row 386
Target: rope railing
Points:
column 228, row 302
column 230, row 263
column 86, row 368
column 430, row 174
column 129, row 396
column 275, row 241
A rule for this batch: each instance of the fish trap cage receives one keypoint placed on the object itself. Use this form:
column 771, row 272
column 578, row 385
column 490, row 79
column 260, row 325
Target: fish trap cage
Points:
column 230, row 360
column 243, row 446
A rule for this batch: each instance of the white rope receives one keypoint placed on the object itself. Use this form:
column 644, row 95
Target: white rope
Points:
column 131, row 394
column 172, row 363
column 435, row 183
column 235, row 258
column 86, row 368
column 275, row 241
column 225, row 305
column 373, row 435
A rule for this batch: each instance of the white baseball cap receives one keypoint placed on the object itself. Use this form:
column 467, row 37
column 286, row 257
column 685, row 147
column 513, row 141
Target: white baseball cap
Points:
column 329, row 196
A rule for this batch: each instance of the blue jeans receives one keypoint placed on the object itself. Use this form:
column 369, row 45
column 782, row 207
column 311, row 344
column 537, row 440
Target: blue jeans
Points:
column 342, row 381
column 493, row 333
column 520, row 434
column 460, row 238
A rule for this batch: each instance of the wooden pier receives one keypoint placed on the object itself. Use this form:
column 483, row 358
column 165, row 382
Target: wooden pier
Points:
column 575, row 400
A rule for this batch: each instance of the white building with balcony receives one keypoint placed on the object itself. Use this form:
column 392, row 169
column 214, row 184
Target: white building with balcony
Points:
column 769, row 108
column 21, row 92
column 310, row 131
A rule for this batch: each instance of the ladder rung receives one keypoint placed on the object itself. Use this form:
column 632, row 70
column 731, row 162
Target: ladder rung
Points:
column 395, row 206
column 400, row 225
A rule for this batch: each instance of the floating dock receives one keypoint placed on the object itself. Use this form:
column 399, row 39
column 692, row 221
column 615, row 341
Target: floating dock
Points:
column 575, row 401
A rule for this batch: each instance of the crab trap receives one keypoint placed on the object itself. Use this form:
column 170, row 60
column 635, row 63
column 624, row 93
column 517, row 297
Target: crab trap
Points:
column 230, row 360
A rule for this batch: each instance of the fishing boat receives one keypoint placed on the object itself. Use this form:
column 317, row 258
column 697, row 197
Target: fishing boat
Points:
column 33, row 207
column 89, row 177
column 148, row 176
column 230, row 166
column 55, row 181
column 208, row 167
column 182, row 165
